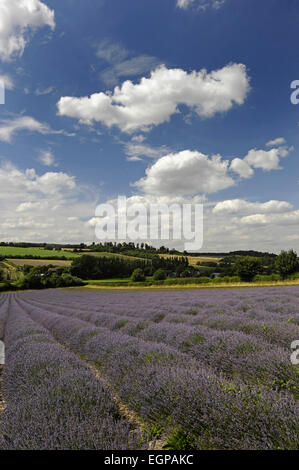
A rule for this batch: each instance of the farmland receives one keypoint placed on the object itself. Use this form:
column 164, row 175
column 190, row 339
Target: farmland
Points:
column 135, row 370
column 193, row 260
column 39, row 262
column 15, row 252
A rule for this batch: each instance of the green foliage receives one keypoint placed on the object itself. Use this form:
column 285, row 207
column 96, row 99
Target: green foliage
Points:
column 92, row 267
column 265, row 277
column 179, row 440
column 138, row 275
column 193, row 311
column 287, row 263
column 156, row 431
column 42, row 277
column 247, row 268
column 208, row 264
column 159, row 275
column 7, row 286
column 35, row 253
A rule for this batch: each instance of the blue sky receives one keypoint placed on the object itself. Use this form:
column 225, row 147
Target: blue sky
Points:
column 155, row 137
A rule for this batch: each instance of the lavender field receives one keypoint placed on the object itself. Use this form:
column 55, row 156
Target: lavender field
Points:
column 137, row 370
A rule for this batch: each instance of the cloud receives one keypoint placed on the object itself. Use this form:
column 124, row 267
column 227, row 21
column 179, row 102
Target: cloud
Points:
column 267, row 160
column 276, row 142
column 17, row 19
column 7, row 81
column 122, row 65
column 241, row 206
column 31, row 206
column 201, row 4
column 135, row 149
column 13, row 180
column 47, row 158
column 10, row 127
column 242, row 168
column 111, row 51
column 131, row 67
column 44, row 91
column 290, row 218
column 186, row 173
column 154, row 100
column 48, row 206
column 229, row 230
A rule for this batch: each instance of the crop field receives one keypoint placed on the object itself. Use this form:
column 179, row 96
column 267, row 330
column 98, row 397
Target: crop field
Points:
column 14, row 252
column 193, row 260
column 178, row 370
column 40, row 262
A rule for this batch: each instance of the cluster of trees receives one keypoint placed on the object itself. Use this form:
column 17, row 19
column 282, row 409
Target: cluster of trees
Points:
column 247, row 268
column 138, row 275
column 285, row 264
column 140, row 250
column 103, row 267
column 47, row 277
column 92, row 267
column 45, row 246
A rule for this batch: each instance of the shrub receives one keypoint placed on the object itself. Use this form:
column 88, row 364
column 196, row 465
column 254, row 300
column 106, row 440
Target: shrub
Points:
column 270, row 277
column 286, row 263
column 159, row 275
column 138, row 275
column 248, row 267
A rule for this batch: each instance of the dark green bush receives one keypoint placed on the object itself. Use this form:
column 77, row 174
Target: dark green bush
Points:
column 159, row 275
column 138, row 275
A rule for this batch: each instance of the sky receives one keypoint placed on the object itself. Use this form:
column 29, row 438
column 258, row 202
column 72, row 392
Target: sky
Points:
column 159, row 101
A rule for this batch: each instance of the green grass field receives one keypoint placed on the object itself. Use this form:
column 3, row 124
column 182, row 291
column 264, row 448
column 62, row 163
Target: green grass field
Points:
column 11, row 252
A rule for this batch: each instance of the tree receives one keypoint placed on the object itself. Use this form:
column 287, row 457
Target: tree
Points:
column 248, row 267
column 160, row 275
column 138, row 275
column 286, row 263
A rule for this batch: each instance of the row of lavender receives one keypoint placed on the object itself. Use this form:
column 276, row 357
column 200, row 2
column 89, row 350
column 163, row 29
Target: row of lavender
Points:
column 236, row 354
column 278, row 301
column 54, row 400
column 168, row 387
column 266, row 314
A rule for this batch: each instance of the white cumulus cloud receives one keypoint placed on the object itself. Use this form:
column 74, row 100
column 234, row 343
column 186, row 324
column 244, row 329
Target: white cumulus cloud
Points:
column 17, row 19
column 13, row 180
column 267, row 159
column 186, row 173
column 241, row 206
column 276, row 142
column 154, row 100
column 242, row 168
